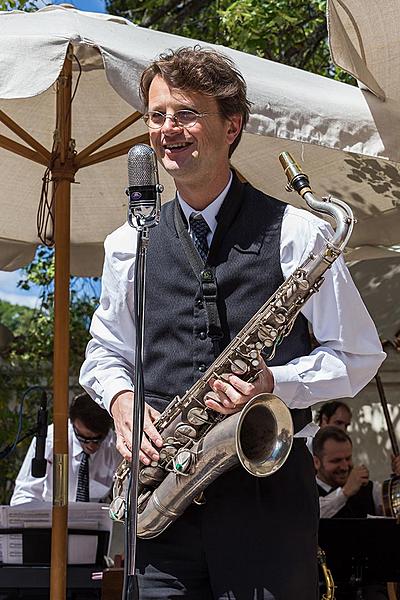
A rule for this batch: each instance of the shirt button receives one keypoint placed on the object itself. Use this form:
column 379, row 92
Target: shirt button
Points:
column 199, row 303
column 202, row 368
column 203, row 335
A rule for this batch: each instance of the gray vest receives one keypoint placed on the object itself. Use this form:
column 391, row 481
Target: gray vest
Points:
column 245, row 253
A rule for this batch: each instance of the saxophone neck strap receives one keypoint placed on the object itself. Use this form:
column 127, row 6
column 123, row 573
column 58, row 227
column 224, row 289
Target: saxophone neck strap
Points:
column 205, row 275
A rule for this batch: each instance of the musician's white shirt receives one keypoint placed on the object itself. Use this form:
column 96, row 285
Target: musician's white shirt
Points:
column 102, row 465
column 346, row 360
column 335, row 499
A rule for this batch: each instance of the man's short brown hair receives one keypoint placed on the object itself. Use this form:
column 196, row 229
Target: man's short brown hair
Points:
column 90, row 413
column 205, row 71
column 328, row 433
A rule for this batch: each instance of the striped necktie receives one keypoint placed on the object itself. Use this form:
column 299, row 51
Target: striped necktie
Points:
column 82, row 490
column 199, row 230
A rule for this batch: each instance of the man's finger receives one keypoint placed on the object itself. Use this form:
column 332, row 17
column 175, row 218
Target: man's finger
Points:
column 219, row 408
column 123, row 448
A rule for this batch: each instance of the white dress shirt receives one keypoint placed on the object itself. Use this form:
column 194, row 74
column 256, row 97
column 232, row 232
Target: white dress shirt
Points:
column 102, row 465
column 335, row 499
column 346, row 360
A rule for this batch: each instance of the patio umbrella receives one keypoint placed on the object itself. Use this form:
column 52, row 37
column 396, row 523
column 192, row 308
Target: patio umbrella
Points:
column 69, row 108
column 364, row 41
column 314, row 117
column 378, row 280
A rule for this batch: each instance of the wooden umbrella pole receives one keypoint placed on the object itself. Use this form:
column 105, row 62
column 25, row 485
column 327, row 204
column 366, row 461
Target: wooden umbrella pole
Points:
column 62, row 175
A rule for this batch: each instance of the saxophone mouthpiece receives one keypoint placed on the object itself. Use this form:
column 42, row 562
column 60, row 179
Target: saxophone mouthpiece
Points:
column 297, row 179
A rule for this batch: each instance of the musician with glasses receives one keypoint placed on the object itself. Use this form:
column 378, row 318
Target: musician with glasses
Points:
column 93, row 458
column 253, row 537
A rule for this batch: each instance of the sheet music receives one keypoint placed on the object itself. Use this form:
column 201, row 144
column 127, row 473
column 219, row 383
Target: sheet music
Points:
column 81, row 515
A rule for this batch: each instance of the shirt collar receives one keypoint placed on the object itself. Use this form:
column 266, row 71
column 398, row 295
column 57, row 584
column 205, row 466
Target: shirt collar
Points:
column 325, row 486
column 211, row 211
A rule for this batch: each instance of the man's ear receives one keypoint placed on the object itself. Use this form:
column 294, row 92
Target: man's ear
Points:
column 317, row 463
column 235, row 124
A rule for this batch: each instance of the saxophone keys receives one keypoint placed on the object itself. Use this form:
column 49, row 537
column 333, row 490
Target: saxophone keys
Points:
column 151, row 476
column 183, row 432
column 280, row 317
column 182, row 462
column 197, row 416
column 239, row 366
column 167, row 453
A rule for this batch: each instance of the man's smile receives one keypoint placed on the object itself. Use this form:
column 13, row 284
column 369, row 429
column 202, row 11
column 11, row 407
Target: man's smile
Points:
column 172, row 147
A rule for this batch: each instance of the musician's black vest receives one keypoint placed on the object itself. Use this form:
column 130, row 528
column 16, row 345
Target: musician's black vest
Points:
column 358, row 506
column 246, row 255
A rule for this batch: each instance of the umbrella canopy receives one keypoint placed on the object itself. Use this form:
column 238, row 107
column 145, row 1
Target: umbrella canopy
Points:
column 378, row 280
column 364, row 41
column 342, row 136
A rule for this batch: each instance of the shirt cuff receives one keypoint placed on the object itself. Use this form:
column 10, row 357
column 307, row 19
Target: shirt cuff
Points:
column 287, row 383
column 118, row 385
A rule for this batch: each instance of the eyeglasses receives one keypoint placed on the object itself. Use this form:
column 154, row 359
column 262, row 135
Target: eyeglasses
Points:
column 182, row 118
column 88, row 440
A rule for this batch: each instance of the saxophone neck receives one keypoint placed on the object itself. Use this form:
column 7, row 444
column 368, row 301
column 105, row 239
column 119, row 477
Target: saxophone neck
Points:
column 333, row 207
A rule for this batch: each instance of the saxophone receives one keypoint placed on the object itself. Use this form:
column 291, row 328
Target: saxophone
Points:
column 200, row 444
column 328, row 579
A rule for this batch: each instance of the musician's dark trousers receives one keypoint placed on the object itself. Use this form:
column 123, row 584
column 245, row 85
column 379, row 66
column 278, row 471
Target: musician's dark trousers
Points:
column 254, row 539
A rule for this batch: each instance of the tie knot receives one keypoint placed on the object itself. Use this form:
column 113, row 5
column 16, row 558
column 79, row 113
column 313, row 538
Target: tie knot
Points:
column 199, row 230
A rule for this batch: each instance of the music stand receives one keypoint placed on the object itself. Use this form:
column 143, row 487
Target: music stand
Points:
column 361, row 552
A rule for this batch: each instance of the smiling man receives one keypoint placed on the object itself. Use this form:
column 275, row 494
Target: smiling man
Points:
column 253, row 537
column 344, row 489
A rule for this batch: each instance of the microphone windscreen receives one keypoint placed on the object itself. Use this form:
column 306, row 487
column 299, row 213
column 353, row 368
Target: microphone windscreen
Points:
column 142, row 166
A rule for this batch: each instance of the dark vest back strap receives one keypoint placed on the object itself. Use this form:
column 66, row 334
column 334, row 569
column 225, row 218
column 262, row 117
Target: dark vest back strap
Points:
column 206, row 277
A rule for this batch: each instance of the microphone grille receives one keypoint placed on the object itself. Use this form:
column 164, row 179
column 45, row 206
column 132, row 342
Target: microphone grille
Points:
column 142, row 166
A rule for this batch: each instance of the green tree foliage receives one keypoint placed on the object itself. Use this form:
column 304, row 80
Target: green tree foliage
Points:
column 17, row 5
column 292, row 32
column 28, row 359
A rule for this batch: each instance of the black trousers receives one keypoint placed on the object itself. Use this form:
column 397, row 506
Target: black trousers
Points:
column 254, row 539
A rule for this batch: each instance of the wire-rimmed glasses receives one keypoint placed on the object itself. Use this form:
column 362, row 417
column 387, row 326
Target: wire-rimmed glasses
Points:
column 155, row 119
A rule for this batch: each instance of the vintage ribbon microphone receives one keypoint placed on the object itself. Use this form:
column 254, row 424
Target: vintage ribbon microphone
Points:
column 144, row 206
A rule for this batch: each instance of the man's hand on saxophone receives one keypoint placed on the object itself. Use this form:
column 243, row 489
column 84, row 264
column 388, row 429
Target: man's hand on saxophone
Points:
column 231, row 393
column 121, row 410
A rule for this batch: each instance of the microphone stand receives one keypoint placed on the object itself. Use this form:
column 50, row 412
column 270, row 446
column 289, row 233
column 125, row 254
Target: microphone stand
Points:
column 132, row 592
column 141, row 219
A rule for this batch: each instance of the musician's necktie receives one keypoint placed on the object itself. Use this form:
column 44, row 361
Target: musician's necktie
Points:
column 82, row 490
column 199, row 230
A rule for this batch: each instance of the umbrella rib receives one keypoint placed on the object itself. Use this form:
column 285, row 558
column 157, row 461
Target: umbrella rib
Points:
column 106, row 137
column 113, row 151
column 22, row 150
column 24, row 135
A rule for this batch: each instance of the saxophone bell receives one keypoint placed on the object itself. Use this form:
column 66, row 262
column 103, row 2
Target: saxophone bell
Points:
column 264, row 435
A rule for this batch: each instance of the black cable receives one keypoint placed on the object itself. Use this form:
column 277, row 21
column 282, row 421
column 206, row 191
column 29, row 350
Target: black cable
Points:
column 11, row 447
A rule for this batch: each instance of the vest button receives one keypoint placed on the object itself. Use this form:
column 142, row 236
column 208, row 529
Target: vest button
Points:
column 202, row 368
column 203, row 335
column 199, row 303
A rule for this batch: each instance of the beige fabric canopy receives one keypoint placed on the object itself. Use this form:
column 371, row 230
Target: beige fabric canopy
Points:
column 364, row 41
column 336, row 131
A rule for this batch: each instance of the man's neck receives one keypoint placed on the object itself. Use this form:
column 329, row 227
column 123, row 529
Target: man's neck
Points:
column 320, row 479
column 200, row 194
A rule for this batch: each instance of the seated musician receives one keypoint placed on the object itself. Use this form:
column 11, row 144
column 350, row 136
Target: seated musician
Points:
column 345, row 489
column 336, row 413
column 93, row 458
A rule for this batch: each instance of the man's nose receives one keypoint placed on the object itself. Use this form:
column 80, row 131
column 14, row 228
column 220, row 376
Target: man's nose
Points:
column 170, row 123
